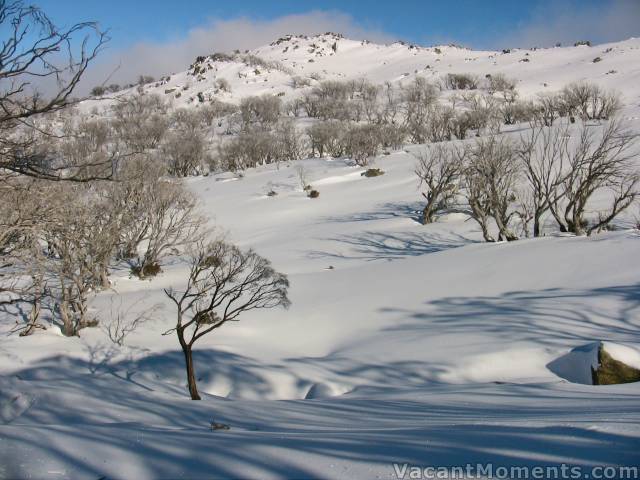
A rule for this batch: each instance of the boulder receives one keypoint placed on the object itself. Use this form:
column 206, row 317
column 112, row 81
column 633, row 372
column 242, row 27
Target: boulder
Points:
column 599, row 363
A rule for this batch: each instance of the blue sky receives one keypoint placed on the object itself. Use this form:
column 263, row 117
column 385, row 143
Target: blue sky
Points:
column 475, row 23
column 160, row 36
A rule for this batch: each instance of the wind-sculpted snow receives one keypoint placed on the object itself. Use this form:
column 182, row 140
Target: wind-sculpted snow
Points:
column 404, row 343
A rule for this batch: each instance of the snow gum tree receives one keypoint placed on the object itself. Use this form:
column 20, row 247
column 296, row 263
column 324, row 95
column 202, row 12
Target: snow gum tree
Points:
column 223, row 283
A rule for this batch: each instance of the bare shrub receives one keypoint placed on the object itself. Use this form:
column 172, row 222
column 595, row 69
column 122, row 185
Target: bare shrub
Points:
column 590, row 101
column 289, row 142
column 419, row 98
column 140, row 121
column 439, row 168
column 491, row 176
column 303, row 177
column 216, row 110
column 518, row 112
column 500, row 83
column 547, row 108
column 482, row 113
column 248, row 149
column 599, row 161
column 33, row 47
column 461, row 81
column 222, row 85
column 124, row 321
column 184, row 148
column 361, row 142
column 326, row 138
column 300, row 82
column 263, row 111
column 173, row 224
column 543, row 154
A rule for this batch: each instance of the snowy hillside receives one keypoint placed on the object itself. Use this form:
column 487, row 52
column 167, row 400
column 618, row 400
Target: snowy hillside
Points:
column 404, row 343
column 536, row 70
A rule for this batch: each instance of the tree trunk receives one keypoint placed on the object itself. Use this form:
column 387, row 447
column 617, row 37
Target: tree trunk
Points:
column 536, row 223
column 104, row 277
column 67, row 324
column 191, row 373
column 427, row 214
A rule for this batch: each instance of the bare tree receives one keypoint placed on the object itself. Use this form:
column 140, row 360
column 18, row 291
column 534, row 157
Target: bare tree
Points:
column 439, row 168
column 289, row 143
column 419, row 98
column 361, row 142
column 80, row 242
column 184, row 151
column 599, row 161
column 326, row 137
column 35, row 53
column 461, row 81
column 543, row 154
column 548, row 108
column 590, row 101
column 140, row 122
column 263, row 111
column 224, row 282
column 173, row 223
column 491, row 177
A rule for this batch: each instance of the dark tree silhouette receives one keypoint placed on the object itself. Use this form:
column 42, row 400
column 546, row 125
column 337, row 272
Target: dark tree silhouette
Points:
column 223, row 283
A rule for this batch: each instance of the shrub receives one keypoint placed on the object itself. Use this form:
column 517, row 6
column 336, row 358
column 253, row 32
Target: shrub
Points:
column 461, row 81
column 300, row 82
column 500, row 83
column 326, row 138
column 263, row 110
column 361, row 142
column 145, row 79
column 223, row 85
column 372, row 172
column 313, row 194
column 146, row 271
column 98, row 91
column 589, row 101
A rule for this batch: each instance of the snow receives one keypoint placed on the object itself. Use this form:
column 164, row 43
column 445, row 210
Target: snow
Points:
column 627, row 354
column 576, row 366
column 420, row 344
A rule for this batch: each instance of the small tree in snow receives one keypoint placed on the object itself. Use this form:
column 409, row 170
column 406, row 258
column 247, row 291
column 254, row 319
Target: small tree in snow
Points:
column 223, row 282
column 439, row 169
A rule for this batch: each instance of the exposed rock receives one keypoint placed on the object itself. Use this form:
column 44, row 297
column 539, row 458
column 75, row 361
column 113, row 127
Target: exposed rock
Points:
column 599, row 363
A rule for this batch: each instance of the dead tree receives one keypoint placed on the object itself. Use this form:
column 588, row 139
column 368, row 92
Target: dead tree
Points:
column 439, row 169
column 223, row 283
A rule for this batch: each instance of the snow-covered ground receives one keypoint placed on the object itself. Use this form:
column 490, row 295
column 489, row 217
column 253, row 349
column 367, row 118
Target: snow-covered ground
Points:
column 404, row 343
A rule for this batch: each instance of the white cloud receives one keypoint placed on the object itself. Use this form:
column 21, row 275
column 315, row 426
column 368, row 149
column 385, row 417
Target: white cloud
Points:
column 157, row 59
column 568, row 22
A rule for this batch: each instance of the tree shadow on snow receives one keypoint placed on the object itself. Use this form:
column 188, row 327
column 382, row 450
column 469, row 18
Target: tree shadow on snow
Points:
column 550, row 317
column 384, row 211
column 371, row 245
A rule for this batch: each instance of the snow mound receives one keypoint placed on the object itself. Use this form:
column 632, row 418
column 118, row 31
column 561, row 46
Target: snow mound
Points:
column 324, row 390
column 578, row 365
column 13, row 404
column 625, row 353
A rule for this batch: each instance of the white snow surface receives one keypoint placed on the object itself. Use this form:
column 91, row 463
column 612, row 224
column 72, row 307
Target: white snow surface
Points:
column 421, row 344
